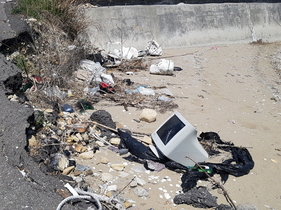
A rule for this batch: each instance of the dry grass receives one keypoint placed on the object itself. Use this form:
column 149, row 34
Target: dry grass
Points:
column 59, row 13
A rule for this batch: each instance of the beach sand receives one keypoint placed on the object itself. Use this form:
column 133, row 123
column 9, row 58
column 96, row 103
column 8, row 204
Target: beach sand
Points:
column 230, row 89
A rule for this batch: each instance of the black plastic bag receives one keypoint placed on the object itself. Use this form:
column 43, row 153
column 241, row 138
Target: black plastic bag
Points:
column 135, row 147
column 198, row 197
column 242, row 166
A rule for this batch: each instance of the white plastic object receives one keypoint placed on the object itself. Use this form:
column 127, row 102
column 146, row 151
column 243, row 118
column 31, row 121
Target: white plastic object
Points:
column 164, row 66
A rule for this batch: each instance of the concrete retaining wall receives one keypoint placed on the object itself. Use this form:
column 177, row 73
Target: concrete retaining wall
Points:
column 184, row 24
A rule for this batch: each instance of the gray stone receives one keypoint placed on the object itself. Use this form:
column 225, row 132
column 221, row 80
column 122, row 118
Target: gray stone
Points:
column 141, row 192
column 148, row 115
column 87, row 155
column 106, row 177
column 140, row 181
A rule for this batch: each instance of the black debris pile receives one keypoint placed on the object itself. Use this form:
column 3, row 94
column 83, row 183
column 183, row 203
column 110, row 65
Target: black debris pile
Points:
column 198, row 197
column 240, row 164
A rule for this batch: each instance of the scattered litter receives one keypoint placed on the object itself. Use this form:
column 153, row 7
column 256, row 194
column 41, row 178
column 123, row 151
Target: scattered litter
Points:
column 54, row 91
column 145, row 91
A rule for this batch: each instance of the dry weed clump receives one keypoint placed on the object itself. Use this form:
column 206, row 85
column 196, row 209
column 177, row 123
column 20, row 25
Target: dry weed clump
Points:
column 63, row 14
column 133, row 65
column 55, row 50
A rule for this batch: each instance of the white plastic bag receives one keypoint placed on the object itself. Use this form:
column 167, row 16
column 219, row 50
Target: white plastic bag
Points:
column 129, row 53
column 118, row 51
column 91, row 66
column 165, row 67
column 107, row 78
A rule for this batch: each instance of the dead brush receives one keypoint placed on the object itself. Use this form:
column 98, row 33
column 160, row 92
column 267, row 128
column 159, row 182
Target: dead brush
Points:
column 63, row 14
column 53, row 60
column 133, row 65
column 58, row 24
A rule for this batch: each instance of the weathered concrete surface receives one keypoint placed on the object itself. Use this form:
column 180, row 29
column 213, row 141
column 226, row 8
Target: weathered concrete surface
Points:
column 184, row 24
column 36, row 190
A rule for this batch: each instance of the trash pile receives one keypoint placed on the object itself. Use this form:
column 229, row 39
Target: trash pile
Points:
column 94, row 80
column 57, row 148
column 66, row 129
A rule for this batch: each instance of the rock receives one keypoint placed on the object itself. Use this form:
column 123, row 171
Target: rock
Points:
column 75, row 138
column 148, row 115
column 59, row 161
column 85, row 137
column 103, row 117
column 139, row 168
column 81, row 169
column 117, row 167
column 140, row 181
column 134, row 183
column 59, row 132
column 87, row 155
column 13, row 98
column 106, row 177
column 127, row 204
column 141, row 192
column 115, row 141
column 32, row 141
column 79, row 148
column 67, row 170
column 78, row 135
column 72, row 139
column 100, row 143
column 108, row 194
column 104, row 160
column 147, row 140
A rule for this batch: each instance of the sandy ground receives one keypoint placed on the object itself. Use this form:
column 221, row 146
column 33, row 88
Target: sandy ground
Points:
column 228, row 89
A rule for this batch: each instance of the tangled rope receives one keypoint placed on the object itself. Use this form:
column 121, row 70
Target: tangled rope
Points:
column 89, row 196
